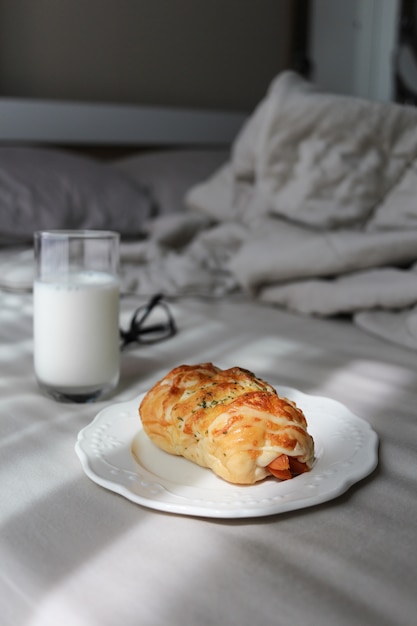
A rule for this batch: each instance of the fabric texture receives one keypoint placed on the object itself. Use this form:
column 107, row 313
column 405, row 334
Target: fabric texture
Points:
column 168, row 174
column 326, row 187
column 76, row 554
column 42, row 189
column 313, row 211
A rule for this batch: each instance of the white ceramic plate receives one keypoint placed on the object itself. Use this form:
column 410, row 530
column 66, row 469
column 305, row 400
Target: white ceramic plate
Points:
column 346, row 451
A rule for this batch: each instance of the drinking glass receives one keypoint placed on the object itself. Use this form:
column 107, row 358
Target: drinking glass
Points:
column 76, row 313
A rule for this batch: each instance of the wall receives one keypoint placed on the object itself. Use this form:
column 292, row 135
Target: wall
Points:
column 352, row 46
column 198, row 53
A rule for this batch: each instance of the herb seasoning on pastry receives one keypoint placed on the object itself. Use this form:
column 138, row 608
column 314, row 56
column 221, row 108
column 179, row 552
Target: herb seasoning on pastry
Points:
column 227, row 420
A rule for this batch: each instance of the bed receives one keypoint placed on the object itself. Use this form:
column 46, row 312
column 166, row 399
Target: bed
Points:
column 284, row 242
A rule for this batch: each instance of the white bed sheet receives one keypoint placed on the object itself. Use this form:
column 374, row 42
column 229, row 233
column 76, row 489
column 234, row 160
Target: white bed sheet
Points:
column 73, row 553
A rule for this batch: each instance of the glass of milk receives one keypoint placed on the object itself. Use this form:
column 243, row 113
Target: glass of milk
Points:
column 76, row 313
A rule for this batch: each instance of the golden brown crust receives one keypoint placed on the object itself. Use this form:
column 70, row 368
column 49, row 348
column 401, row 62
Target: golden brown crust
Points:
column 227, row 420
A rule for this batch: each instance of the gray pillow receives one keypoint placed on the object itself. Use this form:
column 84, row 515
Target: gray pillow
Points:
column 169, row 174
column 42, row 189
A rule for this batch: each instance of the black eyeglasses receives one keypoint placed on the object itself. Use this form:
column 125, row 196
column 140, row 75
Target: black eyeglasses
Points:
column 150, row 323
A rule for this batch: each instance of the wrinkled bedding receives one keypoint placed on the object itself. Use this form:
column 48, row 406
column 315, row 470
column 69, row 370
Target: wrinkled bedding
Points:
column 261, row 237
column 314, row 211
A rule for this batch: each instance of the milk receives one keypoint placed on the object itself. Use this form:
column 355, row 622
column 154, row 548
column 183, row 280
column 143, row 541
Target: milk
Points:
column 76, row 331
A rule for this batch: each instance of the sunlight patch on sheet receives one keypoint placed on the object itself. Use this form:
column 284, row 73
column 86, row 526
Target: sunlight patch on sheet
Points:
column 268, row 354
column 372, row 382
column 66, row 597
column 41, row 482
column 12, row 352
column 12, row 302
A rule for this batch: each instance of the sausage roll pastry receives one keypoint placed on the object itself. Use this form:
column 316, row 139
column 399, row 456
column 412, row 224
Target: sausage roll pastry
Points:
column 229, row 421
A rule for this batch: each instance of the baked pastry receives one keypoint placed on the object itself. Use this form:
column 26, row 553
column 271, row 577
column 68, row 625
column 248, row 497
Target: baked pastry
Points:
column 227, row 420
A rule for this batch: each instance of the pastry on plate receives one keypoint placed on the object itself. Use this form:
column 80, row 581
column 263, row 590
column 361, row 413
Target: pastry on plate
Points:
column 229, row 421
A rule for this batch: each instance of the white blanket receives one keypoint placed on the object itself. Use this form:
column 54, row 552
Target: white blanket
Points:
column 316, row 211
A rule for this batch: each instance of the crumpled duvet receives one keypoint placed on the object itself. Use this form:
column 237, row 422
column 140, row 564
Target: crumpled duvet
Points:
column 315, row 211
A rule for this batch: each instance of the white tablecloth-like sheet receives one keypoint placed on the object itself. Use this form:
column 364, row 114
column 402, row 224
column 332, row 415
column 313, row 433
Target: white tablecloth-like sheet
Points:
column 73, row 553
